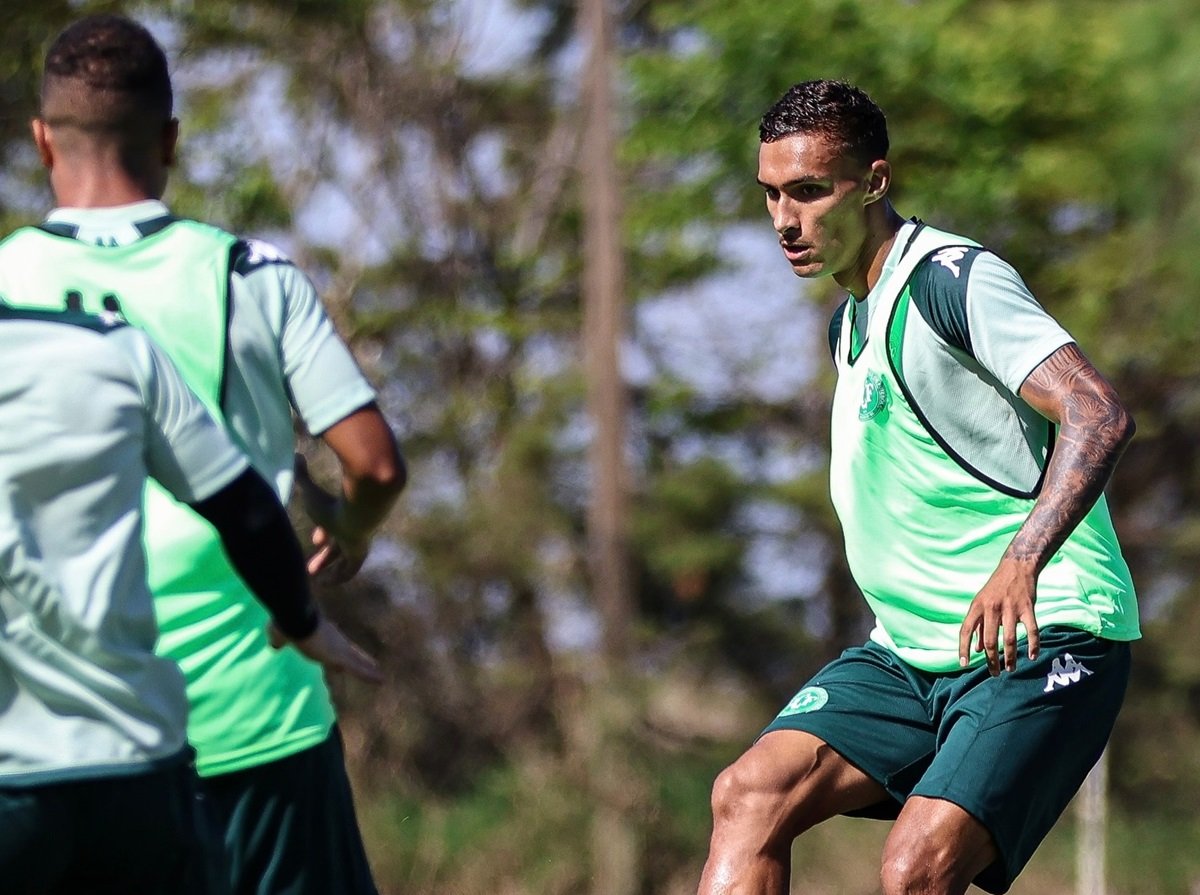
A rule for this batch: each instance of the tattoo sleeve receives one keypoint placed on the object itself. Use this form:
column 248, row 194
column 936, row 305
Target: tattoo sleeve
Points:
column 1093, row 429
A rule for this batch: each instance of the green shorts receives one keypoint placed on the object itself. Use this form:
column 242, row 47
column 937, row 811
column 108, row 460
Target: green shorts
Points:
column 1011, row 750
column 104, row 836
column 289, row 826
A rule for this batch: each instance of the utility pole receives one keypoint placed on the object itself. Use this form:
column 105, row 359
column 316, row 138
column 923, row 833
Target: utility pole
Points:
column 603, row 328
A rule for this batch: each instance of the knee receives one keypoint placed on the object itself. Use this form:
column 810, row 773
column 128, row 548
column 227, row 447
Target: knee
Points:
column 738, row 791
column 752, row 790
column 901, row 873
column 730, row 793
column 913, row 865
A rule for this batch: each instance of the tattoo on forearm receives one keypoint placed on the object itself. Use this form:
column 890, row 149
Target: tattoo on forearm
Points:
column 1094, row 428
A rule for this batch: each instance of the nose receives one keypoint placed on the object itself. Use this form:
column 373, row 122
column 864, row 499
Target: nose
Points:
column 784, row 217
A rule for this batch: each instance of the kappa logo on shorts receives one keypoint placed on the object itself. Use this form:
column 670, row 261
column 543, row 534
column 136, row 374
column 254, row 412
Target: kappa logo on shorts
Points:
column 874, row 397
column 807, row 700
column 1064, row 672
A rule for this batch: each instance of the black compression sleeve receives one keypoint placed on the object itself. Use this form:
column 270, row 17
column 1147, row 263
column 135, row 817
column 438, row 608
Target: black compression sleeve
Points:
column 262, row 548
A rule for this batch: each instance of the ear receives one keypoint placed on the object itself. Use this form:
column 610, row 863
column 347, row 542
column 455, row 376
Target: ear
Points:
column 170, row 142
column 44, row 141
column 878, row 181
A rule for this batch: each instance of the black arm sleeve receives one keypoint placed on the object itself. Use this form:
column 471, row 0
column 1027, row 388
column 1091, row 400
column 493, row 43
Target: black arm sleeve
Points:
column 263, row 550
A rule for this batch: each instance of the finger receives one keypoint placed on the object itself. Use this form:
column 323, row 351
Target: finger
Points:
column 965, row 633
column 990, row 635
column 1010, row 640
column 1034, row 643
column 322, row 559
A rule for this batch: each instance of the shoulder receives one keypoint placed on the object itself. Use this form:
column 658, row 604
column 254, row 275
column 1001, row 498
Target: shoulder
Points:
column 247, row 254
column 250, row 255
column 17, row 239
column 262, row 274
column 940, row 286
column 100, row 346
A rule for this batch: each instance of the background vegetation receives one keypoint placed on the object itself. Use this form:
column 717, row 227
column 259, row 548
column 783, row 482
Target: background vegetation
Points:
column 420, row 159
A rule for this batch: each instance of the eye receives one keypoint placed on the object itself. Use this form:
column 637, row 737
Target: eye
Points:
column 772, row 193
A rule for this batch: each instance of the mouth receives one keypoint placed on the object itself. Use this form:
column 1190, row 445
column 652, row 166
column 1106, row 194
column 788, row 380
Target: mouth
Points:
column 797, row 253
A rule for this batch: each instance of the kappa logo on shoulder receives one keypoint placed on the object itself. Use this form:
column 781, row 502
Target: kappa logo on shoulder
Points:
column 264, row 252
column 949, row 259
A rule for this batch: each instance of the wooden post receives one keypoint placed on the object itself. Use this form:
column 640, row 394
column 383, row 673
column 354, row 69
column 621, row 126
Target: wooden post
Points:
column 1092, row 817
column 603, row 328
column 615, row 835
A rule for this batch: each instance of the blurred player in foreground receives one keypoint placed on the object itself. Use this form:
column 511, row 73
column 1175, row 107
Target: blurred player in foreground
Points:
column 96, row 787
column 971, row 443
column 250, row 337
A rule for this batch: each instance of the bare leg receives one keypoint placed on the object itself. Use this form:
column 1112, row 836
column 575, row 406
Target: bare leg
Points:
column 785, row 783
column 934, row 848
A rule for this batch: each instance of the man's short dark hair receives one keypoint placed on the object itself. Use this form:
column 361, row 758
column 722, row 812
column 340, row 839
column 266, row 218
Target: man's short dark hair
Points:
column 833, row 109
column 106, row 73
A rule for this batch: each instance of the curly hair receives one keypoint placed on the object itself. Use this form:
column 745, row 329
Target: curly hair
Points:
column 106, row 73
column 833, row 109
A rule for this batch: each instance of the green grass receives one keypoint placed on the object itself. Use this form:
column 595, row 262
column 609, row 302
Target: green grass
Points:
column 524, row 829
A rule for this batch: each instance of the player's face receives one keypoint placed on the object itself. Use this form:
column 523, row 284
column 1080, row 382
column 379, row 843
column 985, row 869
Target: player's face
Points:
column 817, row 200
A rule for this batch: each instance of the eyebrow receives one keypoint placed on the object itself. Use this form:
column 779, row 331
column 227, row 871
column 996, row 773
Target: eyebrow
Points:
column 794, row 182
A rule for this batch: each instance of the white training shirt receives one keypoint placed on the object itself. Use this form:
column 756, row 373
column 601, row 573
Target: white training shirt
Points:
column 88, row 409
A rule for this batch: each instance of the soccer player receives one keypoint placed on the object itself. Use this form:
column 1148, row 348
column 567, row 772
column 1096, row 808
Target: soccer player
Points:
column 971, row 442
column 250, row 337
column 96, row 788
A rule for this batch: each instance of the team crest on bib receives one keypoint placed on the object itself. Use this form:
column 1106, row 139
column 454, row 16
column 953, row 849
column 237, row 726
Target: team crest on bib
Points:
column 807, row 700
column 874, row 397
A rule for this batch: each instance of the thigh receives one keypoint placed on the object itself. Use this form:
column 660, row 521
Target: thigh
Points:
column 1015, row 748
column 289, row 826
column 37, row 839
column 797, row 780
column 869, row 708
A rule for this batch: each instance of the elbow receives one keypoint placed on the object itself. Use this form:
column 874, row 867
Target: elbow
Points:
column 1124, row 426
column 397, row 473
column 387, row 472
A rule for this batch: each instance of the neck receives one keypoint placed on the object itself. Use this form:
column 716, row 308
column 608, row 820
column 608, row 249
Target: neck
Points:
column 101, row 186
column 882, row 228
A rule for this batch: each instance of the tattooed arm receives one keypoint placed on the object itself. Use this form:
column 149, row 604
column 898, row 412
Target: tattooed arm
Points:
column 1094, row 428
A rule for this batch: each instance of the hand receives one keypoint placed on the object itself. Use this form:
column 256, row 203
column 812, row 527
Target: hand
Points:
column 1006, row 600
column 339, row 556
column 332, row 649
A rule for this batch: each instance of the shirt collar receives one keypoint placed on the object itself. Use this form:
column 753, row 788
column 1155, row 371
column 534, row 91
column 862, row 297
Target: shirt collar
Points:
column 900, row 245
column 114, row 226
